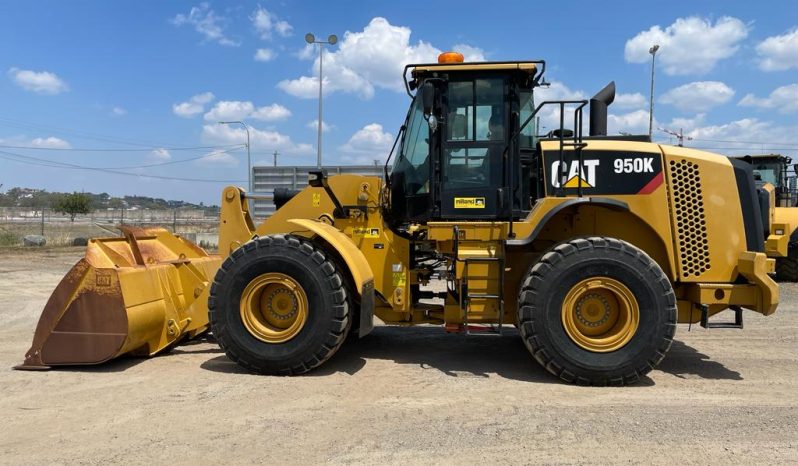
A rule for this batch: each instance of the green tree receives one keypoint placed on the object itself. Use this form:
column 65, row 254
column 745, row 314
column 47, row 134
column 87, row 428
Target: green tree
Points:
column 73, row 204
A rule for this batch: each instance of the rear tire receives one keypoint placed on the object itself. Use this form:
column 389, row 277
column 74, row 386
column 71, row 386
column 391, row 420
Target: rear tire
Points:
column 250, row 338
column 630, row 298
column 787, row 267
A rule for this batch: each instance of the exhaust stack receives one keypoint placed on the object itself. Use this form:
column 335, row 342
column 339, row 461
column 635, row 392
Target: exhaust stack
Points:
column 598, row 109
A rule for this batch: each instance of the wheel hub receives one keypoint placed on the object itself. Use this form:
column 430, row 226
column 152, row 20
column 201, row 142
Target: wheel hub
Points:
column 600, row 314
column 274, row 307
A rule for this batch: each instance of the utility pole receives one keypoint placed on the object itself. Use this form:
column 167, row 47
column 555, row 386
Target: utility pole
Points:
column 249, row 156
column 653, row 52
column 276, row 153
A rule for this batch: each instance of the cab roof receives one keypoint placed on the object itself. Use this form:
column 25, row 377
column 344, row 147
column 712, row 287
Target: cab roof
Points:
column 534, row 68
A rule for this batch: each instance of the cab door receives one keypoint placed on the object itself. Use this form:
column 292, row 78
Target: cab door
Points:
column 475, row 134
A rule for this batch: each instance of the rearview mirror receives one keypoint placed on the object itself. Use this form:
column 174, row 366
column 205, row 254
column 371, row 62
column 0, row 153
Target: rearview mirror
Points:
column 427, row 97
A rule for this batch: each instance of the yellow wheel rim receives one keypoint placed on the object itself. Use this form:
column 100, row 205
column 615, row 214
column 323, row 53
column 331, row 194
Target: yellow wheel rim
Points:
column 274, row 307
column 600, row 314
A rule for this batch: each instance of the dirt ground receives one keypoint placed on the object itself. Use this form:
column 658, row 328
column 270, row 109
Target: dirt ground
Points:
column 400, row 395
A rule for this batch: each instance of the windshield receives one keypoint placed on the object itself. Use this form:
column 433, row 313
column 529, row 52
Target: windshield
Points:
column 414, row 153
column 768, row 172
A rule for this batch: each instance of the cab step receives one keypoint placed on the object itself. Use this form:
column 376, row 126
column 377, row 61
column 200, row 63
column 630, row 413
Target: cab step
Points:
column 737, row 323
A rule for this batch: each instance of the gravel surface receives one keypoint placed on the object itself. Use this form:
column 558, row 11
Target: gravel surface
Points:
column 401, row 395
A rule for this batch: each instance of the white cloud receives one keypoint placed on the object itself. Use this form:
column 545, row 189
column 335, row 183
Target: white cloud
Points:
column 266, row 22
column 227, row 110
column 194, row 106
column 784, row 98
column 160, row 154
column 207, row 23
column 261, row 140
column 366, row 60
column 699, row 96
column 264, row 55
column 50, row 143
column 40, row 82
column 367, row 144
column 283, row 28
column 745, row 136
column 629, row 101
column 314, row 125
column 690, row 45
column 635, row 122
column 469, row 53
column 778, row 53
column 273, row 112
column 118, row 111
column 218, row 157
column 687, row 123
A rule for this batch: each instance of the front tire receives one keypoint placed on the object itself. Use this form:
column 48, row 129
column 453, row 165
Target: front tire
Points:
column 597, row 311
column 279, row 306
column 787, row 267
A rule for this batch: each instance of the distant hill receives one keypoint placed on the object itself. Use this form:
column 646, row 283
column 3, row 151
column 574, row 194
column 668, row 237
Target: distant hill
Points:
column 36, row 198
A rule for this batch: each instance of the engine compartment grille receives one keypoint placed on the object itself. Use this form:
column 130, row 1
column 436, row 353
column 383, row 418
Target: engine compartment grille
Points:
column 691, row 226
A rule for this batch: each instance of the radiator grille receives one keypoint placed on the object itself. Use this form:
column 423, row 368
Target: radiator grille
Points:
column 691, row 226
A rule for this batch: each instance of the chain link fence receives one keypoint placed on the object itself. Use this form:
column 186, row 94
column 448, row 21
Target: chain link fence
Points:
column 197, row 225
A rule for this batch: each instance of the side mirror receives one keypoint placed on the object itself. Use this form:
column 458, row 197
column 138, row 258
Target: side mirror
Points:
column 427, row 97
column 427, row 101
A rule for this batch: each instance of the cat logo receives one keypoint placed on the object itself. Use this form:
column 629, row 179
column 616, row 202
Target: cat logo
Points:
column 469, row 203
column 572, row 175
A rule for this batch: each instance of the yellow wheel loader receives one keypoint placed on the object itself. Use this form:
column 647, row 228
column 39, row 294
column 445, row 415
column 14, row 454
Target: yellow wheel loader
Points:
column 594, row 247
column 776, row 176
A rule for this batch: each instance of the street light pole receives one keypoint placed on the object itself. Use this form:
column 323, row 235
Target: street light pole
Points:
column 331, row 40
column 653, row 52
column 249, row 156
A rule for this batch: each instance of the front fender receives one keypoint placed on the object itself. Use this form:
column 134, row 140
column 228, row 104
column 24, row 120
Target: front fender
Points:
column 356, row 262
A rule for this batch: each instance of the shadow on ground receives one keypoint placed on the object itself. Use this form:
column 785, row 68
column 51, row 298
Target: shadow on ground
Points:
column 198, row 345
column 429, row 348
column 684, row 361
column 475, row 356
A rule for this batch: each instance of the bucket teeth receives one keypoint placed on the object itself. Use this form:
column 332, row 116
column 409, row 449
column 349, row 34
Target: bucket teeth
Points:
column 134, row 295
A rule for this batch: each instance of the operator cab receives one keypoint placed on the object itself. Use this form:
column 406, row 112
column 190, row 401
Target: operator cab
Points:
column 457, row 159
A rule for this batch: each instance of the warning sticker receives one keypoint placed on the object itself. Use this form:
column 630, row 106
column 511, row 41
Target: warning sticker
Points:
column 399, row 279
column 366, row 232
column 469, row 203
column 316, row 199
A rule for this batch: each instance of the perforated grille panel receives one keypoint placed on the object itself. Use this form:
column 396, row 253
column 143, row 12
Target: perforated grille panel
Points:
column 691, row 226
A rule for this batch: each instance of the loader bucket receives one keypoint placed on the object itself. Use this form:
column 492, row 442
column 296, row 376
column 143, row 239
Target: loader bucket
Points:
column 136, row 294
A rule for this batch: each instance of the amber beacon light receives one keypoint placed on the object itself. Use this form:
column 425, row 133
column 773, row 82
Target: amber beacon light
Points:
column 450, row 57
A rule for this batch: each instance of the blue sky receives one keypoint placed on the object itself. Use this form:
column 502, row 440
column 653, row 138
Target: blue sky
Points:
column 148, row 80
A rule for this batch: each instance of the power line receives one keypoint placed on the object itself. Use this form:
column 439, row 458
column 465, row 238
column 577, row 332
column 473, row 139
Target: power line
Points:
column 150, row 165
column 72, row 149
column 747, row 149
column 19, row 158
column 78, row 133
column 768, row 143
column 173, row 162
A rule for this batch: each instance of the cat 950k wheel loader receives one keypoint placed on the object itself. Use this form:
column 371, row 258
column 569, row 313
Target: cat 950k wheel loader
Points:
column 594, row 247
